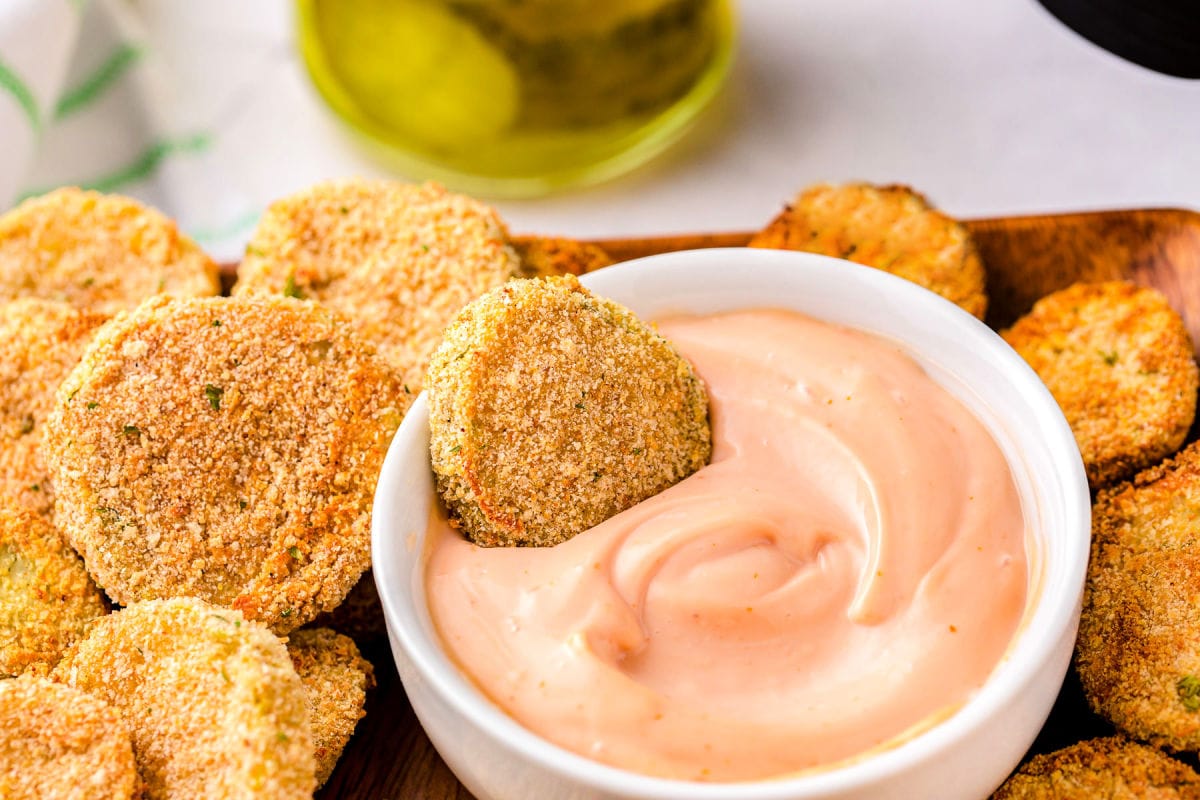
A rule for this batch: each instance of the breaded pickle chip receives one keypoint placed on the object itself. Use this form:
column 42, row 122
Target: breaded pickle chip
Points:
column 213, row 703
column 1113, row 768
column 1138, row 653
column 98, row 252
column 336, row 678
column 46, row 596
column 1118, row 360
column 399, row 260
column 58, row 743
column 1156, row 510
column 225, row 449
column 891, row 228
column 40, row 342
column 547, row 256
column 552, row 409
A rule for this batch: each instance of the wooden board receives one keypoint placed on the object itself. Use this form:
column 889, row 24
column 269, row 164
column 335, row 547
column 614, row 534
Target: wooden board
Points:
column 1026, row 257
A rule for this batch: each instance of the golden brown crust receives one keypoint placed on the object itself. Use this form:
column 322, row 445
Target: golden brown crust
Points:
column 1156, row 510
column 1138, row 652
column 891, row 228
column 1118, row 359
column 547, row 256
column 399, row 260
column 101, row 253
column 58, row 743
column 552, row 409
column 227, row 449
column 213, row 703
column 40, row 342
column 1113, row 768
column 336, row 678
column 46, row 597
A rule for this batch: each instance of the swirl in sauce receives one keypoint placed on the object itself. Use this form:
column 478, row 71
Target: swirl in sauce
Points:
column 850, row 566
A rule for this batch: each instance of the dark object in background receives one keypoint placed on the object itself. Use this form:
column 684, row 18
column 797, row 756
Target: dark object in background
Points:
column 1163, row 35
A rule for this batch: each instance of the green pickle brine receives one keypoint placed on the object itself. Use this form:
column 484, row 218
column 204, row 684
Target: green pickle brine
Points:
column 517, row 96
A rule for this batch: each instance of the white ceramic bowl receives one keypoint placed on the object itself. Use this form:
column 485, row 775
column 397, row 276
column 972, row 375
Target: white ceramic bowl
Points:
column 967, row 755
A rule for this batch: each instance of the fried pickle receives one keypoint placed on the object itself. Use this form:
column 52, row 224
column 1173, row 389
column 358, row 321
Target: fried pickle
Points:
column 336, row 678
column 40, row 342
column 891, row 228
column 100, row 253
column 1138, row 651
column 212, row 700
column 1112, row 768
column 399, row 260
column 46, row 596
column 58, row 743
column 1118, row 359
column 551, row 409
column 547, row 256
column 226, row 449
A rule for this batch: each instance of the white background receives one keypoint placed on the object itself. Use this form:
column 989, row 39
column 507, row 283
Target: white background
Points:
column 991, row 107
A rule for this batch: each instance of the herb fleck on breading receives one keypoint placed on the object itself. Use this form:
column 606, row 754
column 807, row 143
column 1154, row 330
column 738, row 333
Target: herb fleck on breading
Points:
column 214, row 394
column 290, row 289
column 1188, row 690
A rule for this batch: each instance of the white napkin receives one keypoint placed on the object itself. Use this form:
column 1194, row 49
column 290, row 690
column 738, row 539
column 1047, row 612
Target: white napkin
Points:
column 87, row 100
column 37, row 38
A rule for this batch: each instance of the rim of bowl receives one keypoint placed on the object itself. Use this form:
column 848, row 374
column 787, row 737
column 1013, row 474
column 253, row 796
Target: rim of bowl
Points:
column 1055, row 612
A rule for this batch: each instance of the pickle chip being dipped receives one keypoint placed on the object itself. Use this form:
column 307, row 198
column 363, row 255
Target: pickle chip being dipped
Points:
column 552, row 409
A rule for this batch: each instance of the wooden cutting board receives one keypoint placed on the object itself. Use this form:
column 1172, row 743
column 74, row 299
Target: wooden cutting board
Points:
column 390, row 757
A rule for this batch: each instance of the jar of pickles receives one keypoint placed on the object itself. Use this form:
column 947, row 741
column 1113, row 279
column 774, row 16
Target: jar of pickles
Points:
column 517, row 97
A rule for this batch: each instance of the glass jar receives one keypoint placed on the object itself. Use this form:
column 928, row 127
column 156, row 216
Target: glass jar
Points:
column 517, row 97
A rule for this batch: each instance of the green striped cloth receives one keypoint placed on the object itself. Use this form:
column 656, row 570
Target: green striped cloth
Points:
column 37, row 39
column 85, row 100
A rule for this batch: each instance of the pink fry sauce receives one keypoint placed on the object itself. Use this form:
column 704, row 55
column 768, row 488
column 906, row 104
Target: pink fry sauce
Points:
column 850, row 567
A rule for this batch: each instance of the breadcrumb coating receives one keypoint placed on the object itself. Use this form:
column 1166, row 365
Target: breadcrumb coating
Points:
column 552, row 409
column 46, row 596
column 213, row 703
column 1113, row 768
column 1156, row 510
column 58, row 743
column 398, row 259
column 1138, row 652
column 336, row 678
column 891, row 228
column 1118, row 359
column 40, row 342
column 547, row 256
column 226, row 449
column 101, row 253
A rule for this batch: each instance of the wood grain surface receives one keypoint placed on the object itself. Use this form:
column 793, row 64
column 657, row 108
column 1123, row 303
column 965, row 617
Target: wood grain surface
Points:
column 390, row 757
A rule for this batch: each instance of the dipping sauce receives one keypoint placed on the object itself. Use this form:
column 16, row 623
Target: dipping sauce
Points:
column 850, row 567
